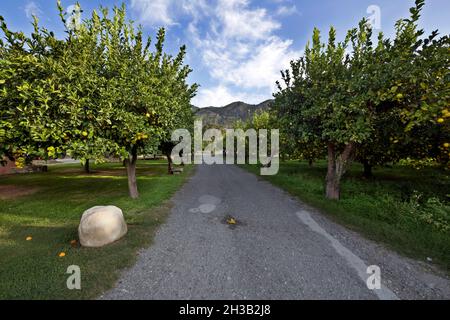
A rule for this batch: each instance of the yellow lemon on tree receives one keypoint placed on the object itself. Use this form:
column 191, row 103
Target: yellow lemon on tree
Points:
column 446, row 145
column 84, row 133
column 440, row 120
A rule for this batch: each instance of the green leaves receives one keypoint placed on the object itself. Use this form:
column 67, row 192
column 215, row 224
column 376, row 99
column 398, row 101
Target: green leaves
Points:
column 398, row 88
column 89, row 95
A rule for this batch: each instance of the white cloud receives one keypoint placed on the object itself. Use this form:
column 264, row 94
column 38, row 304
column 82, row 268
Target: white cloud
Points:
column 262, row 68
column 287, row 10
column 243, row 23
column 156, row 13
column 250, row 66
column 235, row 40
column 241, row 50
column 221, row 95
column 32, row 9
column 153, row 12
column 195, row 8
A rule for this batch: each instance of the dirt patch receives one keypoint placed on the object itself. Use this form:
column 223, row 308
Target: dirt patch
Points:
column 8, row 192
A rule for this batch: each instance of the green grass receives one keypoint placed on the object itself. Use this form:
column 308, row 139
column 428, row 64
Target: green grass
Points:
column 33, row 269
column 404, row 208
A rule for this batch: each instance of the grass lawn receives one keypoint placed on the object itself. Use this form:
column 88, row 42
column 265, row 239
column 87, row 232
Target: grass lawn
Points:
column 404, row 208
column 48, row 207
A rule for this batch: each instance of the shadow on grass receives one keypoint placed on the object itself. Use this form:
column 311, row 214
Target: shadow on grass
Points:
column 33, row 269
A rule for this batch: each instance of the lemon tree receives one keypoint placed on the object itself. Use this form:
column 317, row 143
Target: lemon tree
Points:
column 376, row 102
column 100, row 92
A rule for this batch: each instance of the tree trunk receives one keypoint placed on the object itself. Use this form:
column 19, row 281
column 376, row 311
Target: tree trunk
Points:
column 337, row 166
column 311, row 163
column 181, row 156
column 169, row 163
column 367, row 169
column 87, row 168
column 131, row 173
column 332, row 186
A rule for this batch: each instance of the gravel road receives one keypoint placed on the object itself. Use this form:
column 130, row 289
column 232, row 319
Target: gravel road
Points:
column 279, row 249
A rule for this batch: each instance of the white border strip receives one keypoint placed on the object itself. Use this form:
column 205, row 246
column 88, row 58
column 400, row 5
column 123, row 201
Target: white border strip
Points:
column 353, row 260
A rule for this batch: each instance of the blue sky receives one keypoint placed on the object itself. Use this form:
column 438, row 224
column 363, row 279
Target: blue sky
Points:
column 237, row 47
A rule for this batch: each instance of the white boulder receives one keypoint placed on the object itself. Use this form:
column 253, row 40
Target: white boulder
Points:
column 101, row 225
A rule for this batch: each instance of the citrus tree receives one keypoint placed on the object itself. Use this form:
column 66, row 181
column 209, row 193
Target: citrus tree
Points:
column 412, row 113
column 31, row 96
column 359, row 102
column 143, row 90
column 179, row 95
column 100, row 92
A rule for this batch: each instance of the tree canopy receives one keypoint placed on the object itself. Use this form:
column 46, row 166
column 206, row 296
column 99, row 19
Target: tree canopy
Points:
column 377, row 102
column 100, row 92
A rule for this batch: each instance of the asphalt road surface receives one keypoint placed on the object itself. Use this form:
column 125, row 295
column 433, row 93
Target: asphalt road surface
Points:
column 279, row 249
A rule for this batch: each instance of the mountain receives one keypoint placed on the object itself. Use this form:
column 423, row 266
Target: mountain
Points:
column 226, row 116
